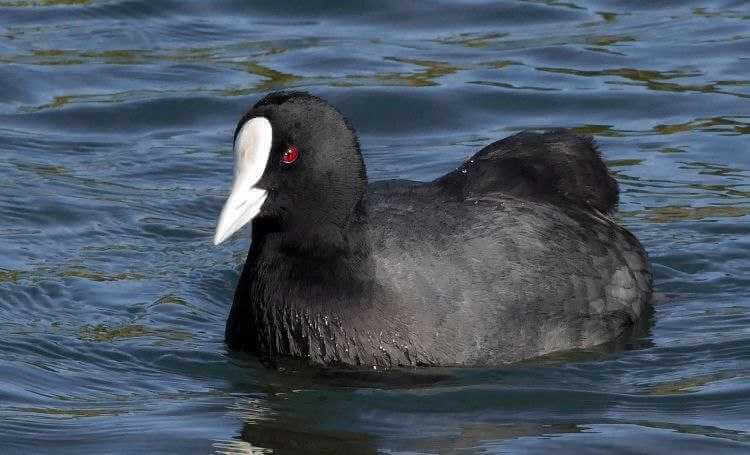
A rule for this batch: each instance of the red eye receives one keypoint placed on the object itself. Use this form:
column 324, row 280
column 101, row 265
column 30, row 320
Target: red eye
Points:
column 291, row 155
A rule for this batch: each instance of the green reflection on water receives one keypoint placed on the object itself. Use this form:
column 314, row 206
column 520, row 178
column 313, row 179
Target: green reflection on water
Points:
column 431, row 71
column 72, row 413
column 82, row 272
column 570, row 5
column 27, row 4
column 471, row 40
column 673, row 213
column 606, row 40
column 75, row 271
column 607, row 16
column 274, row 79
column 105, row 333
column 10, row 276
column 624, row 162
column 655, row 80
column 689, row 384
column 598, row 130
column 42, row 170
column 514, row 87
column 727, row 14
column 721, row 124
column 627, row 73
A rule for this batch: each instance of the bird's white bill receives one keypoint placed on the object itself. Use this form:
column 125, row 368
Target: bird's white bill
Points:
column 238, row 211
column 251, row 150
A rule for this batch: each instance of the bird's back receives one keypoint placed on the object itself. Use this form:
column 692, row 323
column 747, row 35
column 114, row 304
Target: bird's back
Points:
column 558, row 167
column 492, row 266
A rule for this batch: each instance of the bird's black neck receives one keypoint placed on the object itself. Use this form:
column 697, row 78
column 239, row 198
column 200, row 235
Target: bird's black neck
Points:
column 323, row 239
column 297, row 284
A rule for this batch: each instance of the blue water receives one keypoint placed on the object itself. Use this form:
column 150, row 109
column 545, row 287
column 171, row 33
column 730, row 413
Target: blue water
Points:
column 115, row 158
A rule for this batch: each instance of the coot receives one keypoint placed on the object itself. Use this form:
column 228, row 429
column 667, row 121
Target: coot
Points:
column 512, row 255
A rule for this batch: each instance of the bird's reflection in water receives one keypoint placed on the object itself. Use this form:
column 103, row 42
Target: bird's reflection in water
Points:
column 303, row 408
column 310, row 410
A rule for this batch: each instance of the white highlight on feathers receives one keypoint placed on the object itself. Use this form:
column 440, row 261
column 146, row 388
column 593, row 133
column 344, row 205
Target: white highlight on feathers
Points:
column 251, row 151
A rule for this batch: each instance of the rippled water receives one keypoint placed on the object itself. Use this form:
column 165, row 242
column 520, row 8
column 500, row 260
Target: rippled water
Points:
column 115, row 156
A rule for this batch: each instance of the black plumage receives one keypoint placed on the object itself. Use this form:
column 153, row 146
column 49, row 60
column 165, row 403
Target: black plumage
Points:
column 511, row 256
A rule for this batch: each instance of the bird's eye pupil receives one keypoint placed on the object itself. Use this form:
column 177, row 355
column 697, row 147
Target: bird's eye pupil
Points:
column 290, row 155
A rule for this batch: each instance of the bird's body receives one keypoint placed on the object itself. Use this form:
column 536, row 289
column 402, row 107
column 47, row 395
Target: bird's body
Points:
column 509, row 257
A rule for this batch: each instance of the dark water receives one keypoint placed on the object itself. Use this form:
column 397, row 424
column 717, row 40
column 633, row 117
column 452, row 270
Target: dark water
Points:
column 115, row 157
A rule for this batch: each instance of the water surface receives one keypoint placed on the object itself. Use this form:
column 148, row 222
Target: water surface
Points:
column 115, row 157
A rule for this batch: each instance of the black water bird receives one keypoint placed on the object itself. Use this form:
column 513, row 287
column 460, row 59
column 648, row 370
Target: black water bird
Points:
column 513, row 255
